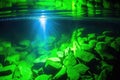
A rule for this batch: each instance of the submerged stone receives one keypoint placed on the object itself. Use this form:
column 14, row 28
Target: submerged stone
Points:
column 44, row 77
column 85, row 56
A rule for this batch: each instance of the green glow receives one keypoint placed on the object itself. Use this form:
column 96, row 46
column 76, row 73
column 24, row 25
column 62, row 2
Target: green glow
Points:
column 77, row 7
column 72, row 58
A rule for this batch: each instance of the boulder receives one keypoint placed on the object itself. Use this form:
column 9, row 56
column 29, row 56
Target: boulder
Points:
column 81, row 68
column 108, row 33
column 13, row 59
column 84, row 55
column 60, row 73
column 100, row 38
column 44, row 77
column 25, row 71
column 54, row 64
column 109, row 39
column 91, row 36
column 72, row 73
column 92, row 43
column 6, row 44
column 69, row 60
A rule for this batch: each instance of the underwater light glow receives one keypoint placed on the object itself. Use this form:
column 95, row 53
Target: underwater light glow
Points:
column 42, row 20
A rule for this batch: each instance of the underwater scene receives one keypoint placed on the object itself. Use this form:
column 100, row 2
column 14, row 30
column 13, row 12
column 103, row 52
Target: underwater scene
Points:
column 59, row 40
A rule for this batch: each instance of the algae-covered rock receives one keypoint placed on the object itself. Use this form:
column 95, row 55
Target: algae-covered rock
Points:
column 23, row 45
column 17, row 74
column 60, row 54
column 42, row 58
column 115, row 46
column 56, row 65
column 91, row 36
column 87, row 77
column 106, row 70
column 72, row 73
column 9, row 67
column 107, row 33
column 56, row 59
column 13, row 59
column 82, row 40
column 101, row 38
column 60, row 73
column 25, row 71
column 69, row 60
column 84, row 55
column 6, row 72
column 1, row 48
column 117, row 40
column 1, row 65
column 108, row 39
column 81, row 68
column 44, row 77
column 100, row 47
column 92, row 43
column 6, row 44
column 86, row 47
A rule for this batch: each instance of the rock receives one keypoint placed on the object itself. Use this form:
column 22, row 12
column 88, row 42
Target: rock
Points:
column 55, row 59
column 72, row 73
column 60, row 54
column 101, row 38
column 13, row 59
column 69, row 60
column 108, row 33
column 1, row 66
column 80, row 29
column 16, row 74
column 42, row 58
column 23, row 54
column 81, row 40
column 6, row 44
column 25, row 71
column 56, row 65
column 91, row 36
column 81, row 68
column 7, row 72
column 9, row 67
column 92, row 43
column 85, row 47
column 100, row 47
column 106, row 70
column 1, row 49
column 108, row 39
column 115, row 46
column 60, row 73
column 2, row 58
column 23, row 45
column 63, row 46
column 44, row 77
column 53, row 52
column 117, row 40
column 87, row 77
column 84, row 55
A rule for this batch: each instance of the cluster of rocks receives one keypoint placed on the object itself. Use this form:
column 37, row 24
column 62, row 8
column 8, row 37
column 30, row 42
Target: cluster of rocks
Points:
column 90, row 57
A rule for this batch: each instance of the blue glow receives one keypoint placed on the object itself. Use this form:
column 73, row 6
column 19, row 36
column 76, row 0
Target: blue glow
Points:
column 42, row 20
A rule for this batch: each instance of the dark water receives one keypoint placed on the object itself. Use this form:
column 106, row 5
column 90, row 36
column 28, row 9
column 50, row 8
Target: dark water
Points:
column 30, row 28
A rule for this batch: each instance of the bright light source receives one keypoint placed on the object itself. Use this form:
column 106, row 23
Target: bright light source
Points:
column 42, row 20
